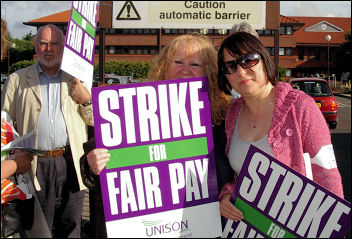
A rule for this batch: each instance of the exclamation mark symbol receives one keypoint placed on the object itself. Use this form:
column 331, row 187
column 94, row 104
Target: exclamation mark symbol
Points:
column 128, row 10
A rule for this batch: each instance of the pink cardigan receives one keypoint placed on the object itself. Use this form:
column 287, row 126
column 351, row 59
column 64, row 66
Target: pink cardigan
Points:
column 297, row 127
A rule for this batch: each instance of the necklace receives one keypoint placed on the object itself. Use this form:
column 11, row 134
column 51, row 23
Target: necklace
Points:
column 255, row 120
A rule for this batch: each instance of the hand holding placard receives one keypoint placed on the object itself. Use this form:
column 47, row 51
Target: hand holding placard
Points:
column 278, row 201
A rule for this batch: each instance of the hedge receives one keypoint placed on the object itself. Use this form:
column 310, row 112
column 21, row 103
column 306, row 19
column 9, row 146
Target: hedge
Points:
column 20, row 64
column 125, row 68
column 121, row 68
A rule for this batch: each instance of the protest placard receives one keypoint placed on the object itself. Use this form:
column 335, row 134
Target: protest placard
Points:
column 160, row 180
column 278, row 202
column 78, row 56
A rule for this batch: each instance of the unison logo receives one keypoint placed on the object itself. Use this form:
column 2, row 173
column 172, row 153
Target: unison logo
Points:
column 154, row 228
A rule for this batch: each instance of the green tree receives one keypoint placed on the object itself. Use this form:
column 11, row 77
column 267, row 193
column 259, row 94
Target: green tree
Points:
column 28, row 37
column 23, row 50
column 125, row 68
column 20, row 64
column 342, row 56
column 23, row 45
column 282, row 73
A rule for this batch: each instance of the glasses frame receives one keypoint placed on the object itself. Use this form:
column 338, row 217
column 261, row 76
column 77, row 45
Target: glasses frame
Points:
column 44, row 44
column 244, row 61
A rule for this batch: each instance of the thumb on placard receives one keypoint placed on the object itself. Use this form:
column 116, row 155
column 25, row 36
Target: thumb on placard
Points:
column 76, row 80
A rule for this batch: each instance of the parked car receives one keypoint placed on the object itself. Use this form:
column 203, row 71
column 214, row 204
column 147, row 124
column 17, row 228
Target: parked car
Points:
column 321, row 92
column 111, row 79
column 3, row 79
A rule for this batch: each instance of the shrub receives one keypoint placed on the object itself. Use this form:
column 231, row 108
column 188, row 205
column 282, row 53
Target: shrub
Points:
column 125, row 68
column 282, row 73
column 20, row 64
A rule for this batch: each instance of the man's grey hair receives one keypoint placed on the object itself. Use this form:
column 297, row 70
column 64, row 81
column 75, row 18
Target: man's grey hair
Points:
column 51, row 26
column 244, row 27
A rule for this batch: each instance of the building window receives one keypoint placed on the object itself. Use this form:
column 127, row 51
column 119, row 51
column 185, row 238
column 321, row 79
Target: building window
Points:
column 132, row 50
column 301, row 53
column 260, row 32
column 268, row 32
column 289, row 30
column 271, row 50
column 112, row 50
column 288, row 51
column 317, row 54
column 119, row 50
column 288, row 72
column 286, row 30
column 282, row 30
column 283, row 51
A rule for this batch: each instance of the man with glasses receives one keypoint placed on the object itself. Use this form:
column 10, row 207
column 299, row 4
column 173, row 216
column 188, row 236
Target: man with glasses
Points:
column 44, row 98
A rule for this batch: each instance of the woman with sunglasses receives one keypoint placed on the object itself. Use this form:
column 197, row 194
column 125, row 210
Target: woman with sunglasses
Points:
column 281, row 121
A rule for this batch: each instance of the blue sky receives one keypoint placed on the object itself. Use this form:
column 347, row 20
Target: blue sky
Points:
column 17, row 12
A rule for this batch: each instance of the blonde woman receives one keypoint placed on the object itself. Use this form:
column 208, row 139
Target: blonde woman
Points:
column 186, row 56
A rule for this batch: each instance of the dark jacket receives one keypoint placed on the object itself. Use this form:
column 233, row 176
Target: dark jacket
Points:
column 92, row 182
column 224, row 172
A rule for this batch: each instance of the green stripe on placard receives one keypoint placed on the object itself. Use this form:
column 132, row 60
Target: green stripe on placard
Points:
column 140, row 154
column 78, row 19
column 258, row 220
column 3, row 153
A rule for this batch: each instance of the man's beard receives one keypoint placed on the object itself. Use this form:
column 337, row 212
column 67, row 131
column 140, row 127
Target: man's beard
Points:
column 56, row 61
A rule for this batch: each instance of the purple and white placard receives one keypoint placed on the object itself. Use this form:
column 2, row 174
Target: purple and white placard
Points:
column 78, row 56
column 278, row 202
column 160, row 180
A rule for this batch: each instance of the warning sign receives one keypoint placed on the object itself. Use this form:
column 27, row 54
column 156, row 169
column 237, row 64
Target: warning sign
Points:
column 188, row 14
column 128, row 12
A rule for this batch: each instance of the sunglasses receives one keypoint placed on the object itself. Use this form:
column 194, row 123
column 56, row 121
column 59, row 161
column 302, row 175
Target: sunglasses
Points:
column 245, row 61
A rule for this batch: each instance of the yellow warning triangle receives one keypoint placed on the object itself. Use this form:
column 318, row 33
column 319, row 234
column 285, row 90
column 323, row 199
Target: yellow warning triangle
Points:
column 128, row 12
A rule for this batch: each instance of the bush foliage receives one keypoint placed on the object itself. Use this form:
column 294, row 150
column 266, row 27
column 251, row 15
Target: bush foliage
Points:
column 20, row 64
column 121, row 68
column 125, row 68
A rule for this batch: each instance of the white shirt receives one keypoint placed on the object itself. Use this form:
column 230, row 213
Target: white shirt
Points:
column 52, row 131
column 238, row 148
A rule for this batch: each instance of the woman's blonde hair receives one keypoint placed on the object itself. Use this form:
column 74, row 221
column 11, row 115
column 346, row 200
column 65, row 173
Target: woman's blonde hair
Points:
column 219, row 101
column 4, row 42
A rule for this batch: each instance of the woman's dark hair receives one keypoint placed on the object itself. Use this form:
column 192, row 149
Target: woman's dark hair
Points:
column 238, row 44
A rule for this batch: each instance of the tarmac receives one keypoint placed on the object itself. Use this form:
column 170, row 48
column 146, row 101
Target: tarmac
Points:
column 85, row 225
column 348, row 95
